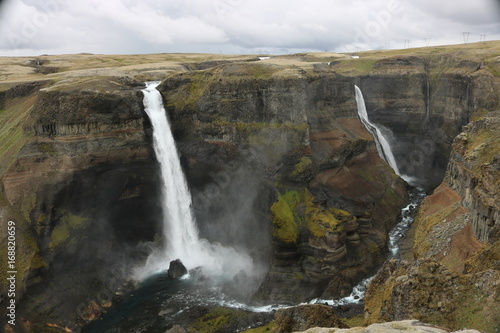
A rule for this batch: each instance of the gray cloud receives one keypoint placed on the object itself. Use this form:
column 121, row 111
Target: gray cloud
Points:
column 29, row 27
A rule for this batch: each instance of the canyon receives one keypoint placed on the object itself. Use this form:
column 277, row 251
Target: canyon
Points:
column 278, row 164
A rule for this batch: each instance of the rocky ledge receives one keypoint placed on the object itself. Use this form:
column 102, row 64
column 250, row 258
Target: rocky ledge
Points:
column 407, row 326
column 322, row 319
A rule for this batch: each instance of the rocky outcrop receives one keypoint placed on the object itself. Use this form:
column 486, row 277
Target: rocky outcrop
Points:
column 454, row 280
column 428, row 291
column 300, row 318
column 443, row 230
column 325, row 242
column 407, row 326
column 473, row 172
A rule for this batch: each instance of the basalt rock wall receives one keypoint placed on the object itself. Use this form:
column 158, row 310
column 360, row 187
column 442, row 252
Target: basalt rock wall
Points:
column 453, row 277
column 81, row 190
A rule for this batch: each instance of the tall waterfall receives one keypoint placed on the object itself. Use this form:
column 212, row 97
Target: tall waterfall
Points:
column 182, row 240
column 181, row 233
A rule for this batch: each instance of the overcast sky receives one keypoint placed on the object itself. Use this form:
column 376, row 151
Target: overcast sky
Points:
column 34, row 27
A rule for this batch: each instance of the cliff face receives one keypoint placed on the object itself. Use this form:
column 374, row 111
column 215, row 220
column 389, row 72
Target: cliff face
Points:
column 473, row 172
column 454, row 280
column 80, row 189
column 425, row 101
column 332, row 198
column 277, row 161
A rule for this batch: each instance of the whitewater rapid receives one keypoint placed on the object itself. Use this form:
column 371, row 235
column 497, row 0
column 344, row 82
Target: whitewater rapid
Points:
column 394, row 239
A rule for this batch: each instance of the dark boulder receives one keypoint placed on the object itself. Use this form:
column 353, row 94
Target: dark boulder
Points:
column 176, row 269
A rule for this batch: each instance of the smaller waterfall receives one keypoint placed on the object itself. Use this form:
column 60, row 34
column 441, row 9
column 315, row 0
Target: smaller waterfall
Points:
column 383, row 147
column 415, row 197
column 380, row 136
column 428, row 100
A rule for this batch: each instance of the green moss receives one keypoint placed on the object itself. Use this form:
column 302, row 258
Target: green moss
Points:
column 356, row 321
column 27, row 204
column 366, row 174
column 253, row 70
column 476, row 307
column 302, row 166
column 283, row 212
column 47, row 148
column 479, row 114
column 74, row 221
column 341, row 214
column 41, row 218
column 63, row 230
column 374, row 301
column 259, row 71
column 198, row 84
column 216, row 320
column 355, row 66
column 12, row 136
column 322, row 221
column 482, row 147
column 188, row 95
column 40, row 223
column 38, row 262
column 59, row 235
column 372, row 246
column 251, row 127
column 296, row 209
column 27, row 251
column 470, row 313
column 425, row 224
column 390, row 195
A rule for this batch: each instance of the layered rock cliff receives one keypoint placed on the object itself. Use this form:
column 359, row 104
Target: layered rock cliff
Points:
column 323, row 174
column 454, row 280
column 79, row 183
column 278, row 163
column 424, row 101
